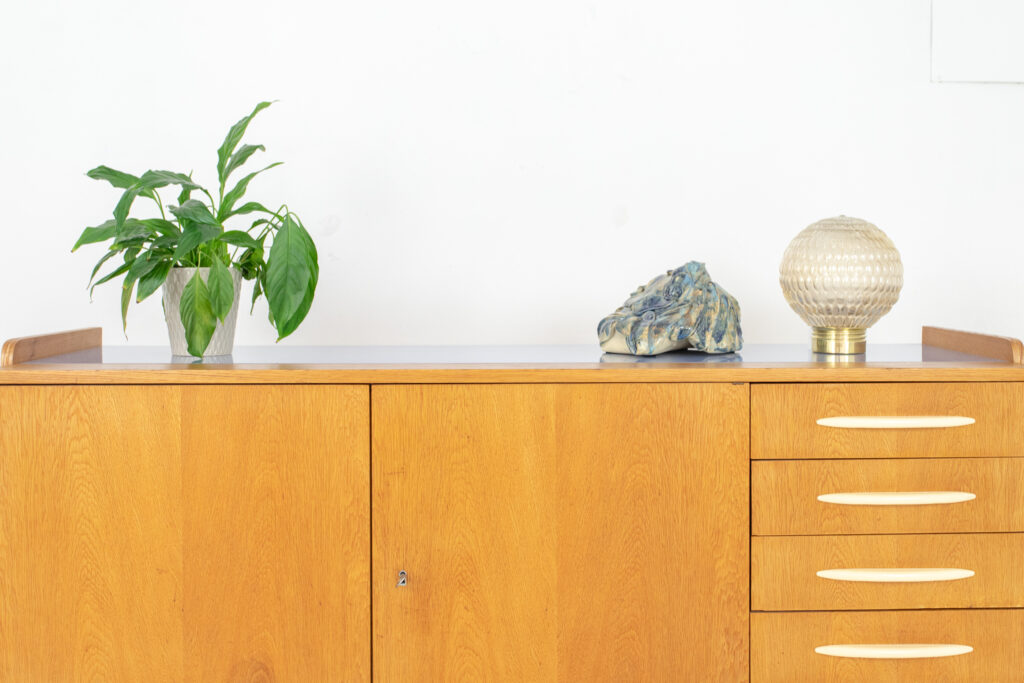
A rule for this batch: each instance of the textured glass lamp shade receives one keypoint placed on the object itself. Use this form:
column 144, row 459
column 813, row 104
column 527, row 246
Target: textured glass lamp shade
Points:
column 841, row 275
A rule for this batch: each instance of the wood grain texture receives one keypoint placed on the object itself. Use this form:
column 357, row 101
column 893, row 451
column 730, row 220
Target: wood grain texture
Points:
column 784, row 496
column 989, row 346
column 184, row 534
column 782, row 646
column 560, row 533
column 297, row 373
column 783, row 571
column 783, row 420
column 24, row 349
column 276, row 531
column 90, row 534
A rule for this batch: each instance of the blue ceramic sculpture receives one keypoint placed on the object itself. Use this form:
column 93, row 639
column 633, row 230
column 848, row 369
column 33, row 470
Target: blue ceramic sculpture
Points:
column 682, row 309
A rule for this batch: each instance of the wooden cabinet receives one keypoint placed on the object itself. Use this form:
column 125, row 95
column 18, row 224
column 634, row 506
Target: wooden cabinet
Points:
column 560, row 532
column 192, row 533
column 645, row 520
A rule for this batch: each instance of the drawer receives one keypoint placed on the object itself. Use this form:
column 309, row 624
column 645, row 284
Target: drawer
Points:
column 919, row 420
column 887, row 572
column 784, row 496
column 782, row 646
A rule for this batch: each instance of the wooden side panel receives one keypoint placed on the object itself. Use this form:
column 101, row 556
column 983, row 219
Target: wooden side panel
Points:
column 784, row 571
column 24, row 349
column 276, row 533
column 784, row 495
column 782, row 646
column 560, row 533
column 987, row 345
column 784, row 420
column 90, row 534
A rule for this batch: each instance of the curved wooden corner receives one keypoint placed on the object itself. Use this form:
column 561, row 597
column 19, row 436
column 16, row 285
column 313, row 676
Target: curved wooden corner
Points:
column 24, row 349
column 986, row 345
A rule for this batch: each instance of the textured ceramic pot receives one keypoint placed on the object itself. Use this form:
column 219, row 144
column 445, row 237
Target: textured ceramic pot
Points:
column 841, row 275
column 223, row 340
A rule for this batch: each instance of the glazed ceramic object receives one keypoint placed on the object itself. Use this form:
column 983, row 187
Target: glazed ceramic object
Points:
column 841, row 275
column 223, row 340
column 681, row 309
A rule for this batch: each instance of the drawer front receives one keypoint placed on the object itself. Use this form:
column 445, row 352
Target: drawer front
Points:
column 887, row 572
column 906, row 420
column 784, row 496
column 783, row 646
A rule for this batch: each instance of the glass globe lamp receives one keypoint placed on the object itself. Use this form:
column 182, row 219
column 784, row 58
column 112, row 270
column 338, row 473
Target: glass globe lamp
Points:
column 841, row 275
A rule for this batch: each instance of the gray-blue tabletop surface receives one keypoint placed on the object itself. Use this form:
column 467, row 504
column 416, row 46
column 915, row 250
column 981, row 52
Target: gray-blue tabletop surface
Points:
column 506, row 355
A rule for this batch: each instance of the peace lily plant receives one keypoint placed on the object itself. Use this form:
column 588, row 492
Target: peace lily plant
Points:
column 193, row 234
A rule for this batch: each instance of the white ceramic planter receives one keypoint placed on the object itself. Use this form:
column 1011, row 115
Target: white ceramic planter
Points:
column 223, row 341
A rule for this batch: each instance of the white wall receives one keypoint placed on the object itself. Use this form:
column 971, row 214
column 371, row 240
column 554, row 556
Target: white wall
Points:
column 479, row 172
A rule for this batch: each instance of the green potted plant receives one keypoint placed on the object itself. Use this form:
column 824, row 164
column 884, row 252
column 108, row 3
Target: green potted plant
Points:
column 190, row 252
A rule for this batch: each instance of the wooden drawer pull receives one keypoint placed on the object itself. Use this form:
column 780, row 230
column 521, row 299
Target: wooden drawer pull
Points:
column 895, row 421
column 895, row 575
column 897, row 498
column 900, row 651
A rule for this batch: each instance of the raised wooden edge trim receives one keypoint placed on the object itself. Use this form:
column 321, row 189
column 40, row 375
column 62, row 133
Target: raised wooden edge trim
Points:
column 986, row 345
column 24, row 349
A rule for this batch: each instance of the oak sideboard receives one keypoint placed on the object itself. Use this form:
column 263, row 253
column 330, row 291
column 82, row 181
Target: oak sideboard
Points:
column 512, row 514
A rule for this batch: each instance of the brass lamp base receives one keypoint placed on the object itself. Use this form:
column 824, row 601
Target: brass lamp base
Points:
column 839, row 340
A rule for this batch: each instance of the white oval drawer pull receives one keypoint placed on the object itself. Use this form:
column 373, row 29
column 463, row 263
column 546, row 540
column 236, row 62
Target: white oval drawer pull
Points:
column 908, row 651
column 896, row 421
column 897, row 498
column 895, row 575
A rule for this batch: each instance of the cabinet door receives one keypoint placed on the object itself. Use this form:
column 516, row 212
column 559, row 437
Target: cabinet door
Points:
column 207, row 533
column 560, row 532
column 276, row 533
column 90, row 534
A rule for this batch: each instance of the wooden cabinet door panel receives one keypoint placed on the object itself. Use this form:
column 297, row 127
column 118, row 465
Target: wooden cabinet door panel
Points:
column 203, row 533
column 560, row 532
column 276, row 532
column 90, row 534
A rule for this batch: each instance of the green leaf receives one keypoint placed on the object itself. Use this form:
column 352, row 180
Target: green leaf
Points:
column 142, row 266
column 239, row 238
column 106, row 257
column 150, row 180
column 300, row 314
column 292, row 272
column 132, row 229
column 164, row 227
column 222, row 289
column 234, row 136
column 256, row 291
column 126, row 298
column 240, row 157
column 194, row 235
column 114, row 177
column 151, row 281
column 100, row 233
column 118, row 179
column 195, row 210
column 123, row 268
column 238, row 190
column 250, row 207
column 197, row 315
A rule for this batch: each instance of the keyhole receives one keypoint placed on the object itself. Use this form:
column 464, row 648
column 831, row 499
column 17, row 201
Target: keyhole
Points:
column 403, row 578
